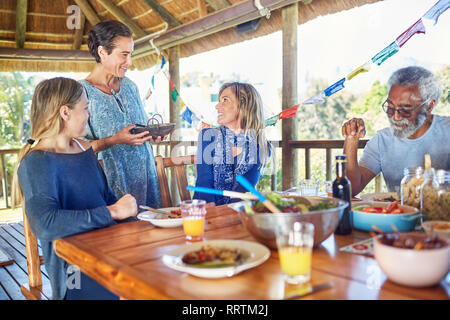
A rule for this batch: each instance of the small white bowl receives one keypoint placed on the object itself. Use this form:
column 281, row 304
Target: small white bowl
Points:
column 413, row 268
column 430, row 227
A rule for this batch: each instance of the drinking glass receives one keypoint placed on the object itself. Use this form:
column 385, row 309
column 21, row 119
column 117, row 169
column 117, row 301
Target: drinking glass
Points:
column 295, row 251
column 193, row 213
column 309, row 187
column 329, row 188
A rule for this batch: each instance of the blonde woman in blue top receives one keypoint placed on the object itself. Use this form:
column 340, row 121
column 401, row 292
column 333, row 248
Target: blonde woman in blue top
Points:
column 61, row 183
column 238, row 147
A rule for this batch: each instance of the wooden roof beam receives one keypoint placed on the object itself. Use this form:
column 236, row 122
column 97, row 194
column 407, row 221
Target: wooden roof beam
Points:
column 202, row 11
column 90, row 14
column 219, row 4
column 21, row 22
column 121, row 16
column 48, row 55
column 163, row 13
column 78, row 36
column 212, row 23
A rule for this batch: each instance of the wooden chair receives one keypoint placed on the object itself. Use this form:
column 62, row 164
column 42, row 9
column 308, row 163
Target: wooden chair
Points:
column 179, row 165
column 33, row 290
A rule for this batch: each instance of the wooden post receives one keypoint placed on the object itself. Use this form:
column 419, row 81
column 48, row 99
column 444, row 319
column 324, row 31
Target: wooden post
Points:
column 78, row 35
column 21, row 22
column 289, row 16
column 202, row 12
column 174, row 71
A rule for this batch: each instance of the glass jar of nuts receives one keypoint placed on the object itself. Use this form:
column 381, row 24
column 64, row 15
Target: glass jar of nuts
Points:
column 435, row 198
column 410, row 186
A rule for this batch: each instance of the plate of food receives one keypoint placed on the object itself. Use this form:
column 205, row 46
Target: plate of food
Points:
column 380, row 196
column 171, row 220
column 216, row 258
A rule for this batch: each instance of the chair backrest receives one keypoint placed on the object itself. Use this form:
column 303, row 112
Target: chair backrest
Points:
column 179, row 165
column 34, row 289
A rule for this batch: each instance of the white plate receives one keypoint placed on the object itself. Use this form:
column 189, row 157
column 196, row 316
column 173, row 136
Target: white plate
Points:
column 379, row 195
column 161, row 220
column 257, row 254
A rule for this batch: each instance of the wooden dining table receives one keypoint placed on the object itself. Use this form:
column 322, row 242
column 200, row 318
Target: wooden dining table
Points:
column 127, row 259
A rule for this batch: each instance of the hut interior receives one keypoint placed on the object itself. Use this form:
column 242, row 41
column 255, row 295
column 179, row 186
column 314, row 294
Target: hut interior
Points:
column 51, row 36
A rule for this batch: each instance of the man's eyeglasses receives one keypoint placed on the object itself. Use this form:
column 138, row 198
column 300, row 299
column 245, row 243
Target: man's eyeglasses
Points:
column 403, row 112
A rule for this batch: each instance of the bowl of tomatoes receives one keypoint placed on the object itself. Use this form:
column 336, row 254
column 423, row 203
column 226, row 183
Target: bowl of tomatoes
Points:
column 386, row 216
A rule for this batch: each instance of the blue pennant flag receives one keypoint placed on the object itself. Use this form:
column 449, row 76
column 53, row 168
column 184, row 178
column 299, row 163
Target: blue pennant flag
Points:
column 163, row 62
column 187, row 115
column 334, row 87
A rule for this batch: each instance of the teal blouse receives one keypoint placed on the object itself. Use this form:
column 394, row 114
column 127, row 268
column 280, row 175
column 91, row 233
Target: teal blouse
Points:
column 128, row 168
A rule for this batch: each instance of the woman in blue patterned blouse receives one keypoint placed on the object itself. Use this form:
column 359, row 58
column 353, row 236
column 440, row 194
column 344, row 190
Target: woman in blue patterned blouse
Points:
column 116, row 107
column 237, row 147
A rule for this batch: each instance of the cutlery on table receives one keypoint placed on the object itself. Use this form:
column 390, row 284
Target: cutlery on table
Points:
column 225, row 193
column 159, row 211
column 313, row 289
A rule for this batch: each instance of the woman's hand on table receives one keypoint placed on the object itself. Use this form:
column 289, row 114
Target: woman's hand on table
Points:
column 124, row 208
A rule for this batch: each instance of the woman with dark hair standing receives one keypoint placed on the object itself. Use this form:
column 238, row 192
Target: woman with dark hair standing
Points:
column 116, row 107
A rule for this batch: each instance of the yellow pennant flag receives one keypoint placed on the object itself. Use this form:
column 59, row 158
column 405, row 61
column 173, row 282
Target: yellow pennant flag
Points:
column 181, row 104
column 364, row 68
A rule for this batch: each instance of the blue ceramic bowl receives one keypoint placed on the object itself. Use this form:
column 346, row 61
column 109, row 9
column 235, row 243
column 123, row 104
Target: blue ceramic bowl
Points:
column 384, row 221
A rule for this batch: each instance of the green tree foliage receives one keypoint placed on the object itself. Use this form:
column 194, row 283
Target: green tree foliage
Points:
column 323, row 121
column 16, row 92
column 444, row 104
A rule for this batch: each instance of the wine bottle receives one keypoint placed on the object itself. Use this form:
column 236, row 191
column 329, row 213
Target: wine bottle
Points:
column 342, row 189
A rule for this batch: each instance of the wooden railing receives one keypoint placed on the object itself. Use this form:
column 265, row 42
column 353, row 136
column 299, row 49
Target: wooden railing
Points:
column 5, row 178
column 182, row 148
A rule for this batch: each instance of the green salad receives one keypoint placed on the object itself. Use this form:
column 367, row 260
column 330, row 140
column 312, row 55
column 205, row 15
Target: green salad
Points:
column 287, row 205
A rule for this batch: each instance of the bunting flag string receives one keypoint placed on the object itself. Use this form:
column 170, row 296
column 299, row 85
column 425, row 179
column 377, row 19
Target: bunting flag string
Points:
column 419, row 26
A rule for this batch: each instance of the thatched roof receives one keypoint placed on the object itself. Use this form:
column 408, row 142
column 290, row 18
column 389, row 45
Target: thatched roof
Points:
column 34, row 34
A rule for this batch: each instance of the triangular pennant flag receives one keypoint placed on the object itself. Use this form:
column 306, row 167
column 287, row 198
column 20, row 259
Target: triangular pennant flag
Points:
column 195, row 120
column 163, row 61
column 153, row 81
column 435, row 11
column 288, row 113
column 386, row 53
column 171, row 85
column 318, row 98
column 364, row 68
column 174, row 95
column 417, row 27
column 334, row 88
column 187, row 115
column 159, row 60
column 271, row 121
column 182, row 104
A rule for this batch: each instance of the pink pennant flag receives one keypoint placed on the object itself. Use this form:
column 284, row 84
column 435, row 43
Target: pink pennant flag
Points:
column 417, row 27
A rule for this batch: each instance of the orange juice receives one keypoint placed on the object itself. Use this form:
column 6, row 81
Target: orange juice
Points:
column 295, row 260
column 193, row 227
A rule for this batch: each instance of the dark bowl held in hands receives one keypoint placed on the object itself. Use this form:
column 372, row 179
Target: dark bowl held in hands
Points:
column 155, row 130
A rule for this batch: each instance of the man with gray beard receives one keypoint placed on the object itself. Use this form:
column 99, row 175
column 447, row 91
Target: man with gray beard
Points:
column 414, row 131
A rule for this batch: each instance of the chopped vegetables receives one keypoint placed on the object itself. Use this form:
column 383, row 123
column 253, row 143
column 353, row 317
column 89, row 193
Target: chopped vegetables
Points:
column 391, row 208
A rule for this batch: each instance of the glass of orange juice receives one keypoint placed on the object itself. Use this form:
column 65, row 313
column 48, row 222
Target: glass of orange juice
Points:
column 193, row 213
column 295, row 251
